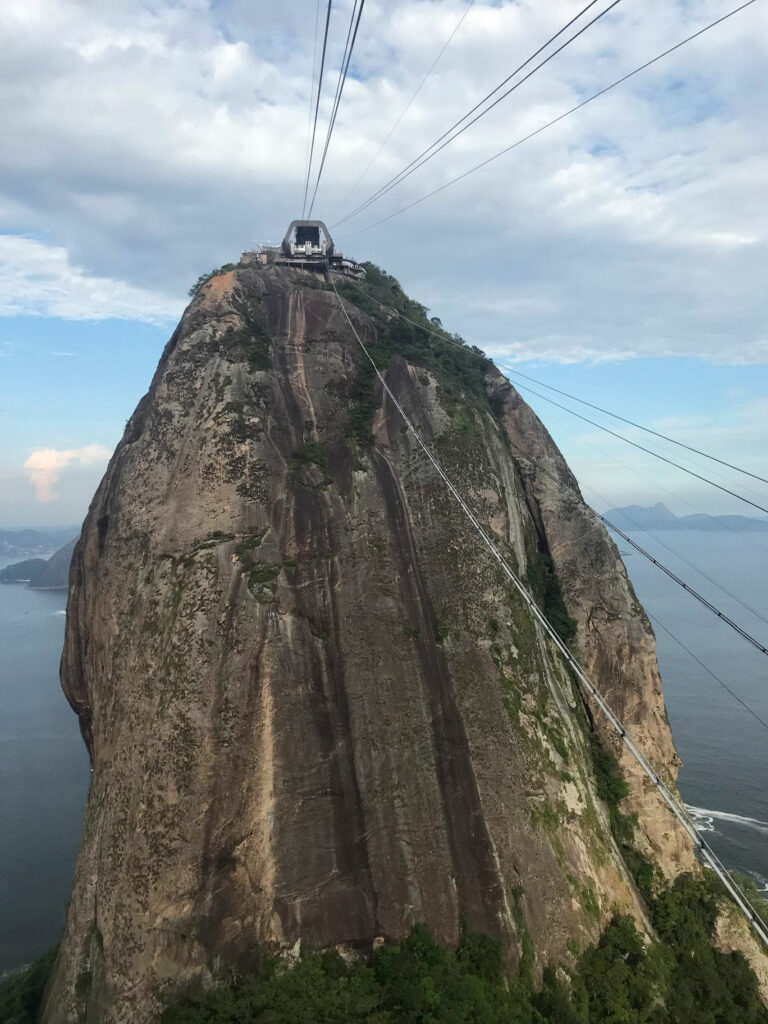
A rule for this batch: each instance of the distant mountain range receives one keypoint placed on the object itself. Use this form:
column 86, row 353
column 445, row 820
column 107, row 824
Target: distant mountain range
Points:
column 34, row 543
column 42, row 573
column 659, row 517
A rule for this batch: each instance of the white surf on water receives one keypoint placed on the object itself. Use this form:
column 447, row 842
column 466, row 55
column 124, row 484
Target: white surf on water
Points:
column 704, row 820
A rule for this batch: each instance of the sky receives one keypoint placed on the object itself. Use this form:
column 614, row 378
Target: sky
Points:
column 619, row 255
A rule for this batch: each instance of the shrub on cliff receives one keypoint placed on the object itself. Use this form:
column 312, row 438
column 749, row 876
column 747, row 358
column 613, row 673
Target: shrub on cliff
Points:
column 21, row 993
column 459, row 367
column 205, row 278
column 419, row 980
column 705, row 985
column 623, row 979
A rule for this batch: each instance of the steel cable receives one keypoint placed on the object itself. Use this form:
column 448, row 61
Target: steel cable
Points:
column 407, row 107
column 317, row 106
column 649, row 451
column 439, row 145
column 347, row 57
column 639, row 426
column 554, row 121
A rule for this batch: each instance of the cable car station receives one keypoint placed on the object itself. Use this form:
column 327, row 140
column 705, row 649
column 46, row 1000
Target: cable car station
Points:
column 307, row 246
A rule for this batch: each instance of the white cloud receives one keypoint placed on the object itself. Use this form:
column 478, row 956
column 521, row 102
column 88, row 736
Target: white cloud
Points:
column 45, row 465
column 38, row 279
column 154, row 140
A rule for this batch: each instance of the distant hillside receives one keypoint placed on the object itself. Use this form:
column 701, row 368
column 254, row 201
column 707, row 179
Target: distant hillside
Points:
column 659, row 517
column 21, row 572
column 54, row 574
column 34, row 543
column 41, row 573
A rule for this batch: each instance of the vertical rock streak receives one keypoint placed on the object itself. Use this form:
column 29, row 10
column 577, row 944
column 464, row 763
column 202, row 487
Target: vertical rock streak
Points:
column 479, row 888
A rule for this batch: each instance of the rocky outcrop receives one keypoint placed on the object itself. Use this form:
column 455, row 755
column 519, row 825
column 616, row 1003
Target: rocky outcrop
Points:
column 54, row 575
column 315, row 709
column 22, row 572
column 732, row 932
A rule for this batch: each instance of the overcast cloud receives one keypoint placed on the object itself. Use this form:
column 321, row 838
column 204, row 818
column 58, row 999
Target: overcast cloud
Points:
column 153, row 140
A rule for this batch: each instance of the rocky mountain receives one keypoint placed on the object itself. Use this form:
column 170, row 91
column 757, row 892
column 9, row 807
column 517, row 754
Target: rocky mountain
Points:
column 22, row 572
column 659, row 517
column 54, row 575
column 317, row 712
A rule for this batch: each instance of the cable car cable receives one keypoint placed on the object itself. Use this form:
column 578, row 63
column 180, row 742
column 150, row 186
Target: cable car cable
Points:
column 671, row 800
column 339, row 90
column 694, row 593
column 632, row 423
column 317, row 106
column 439, row 145
column 744, row 538
column 450, row 341
column 677, row 554
column 681, row 583
column 407, row 107
column 525, row 63
column 599, row 526
column 312, row 90
column 650, row 451
column 554, row 121
column 343, row 59
column 334, row 105
column 707, row 669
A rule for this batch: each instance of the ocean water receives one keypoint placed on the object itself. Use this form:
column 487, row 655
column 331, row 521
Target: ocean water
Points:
column 44, row 775
column 724, row 779
column 44, row 772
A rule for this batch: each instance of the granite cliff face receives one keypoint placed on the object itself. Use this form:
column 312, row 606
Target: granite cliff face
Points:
column 314, row 708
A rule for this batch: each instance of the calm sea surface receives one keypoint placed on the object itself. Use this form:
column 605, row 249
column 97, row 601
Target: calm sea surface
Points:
column 44, row 775
column 44, row 771
column 725, row 751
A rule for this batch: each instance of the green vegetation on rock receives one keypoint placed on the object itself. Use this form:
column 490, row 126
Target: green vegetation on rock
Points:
column 20, row 572
column 22, row 992
column 755, row 896
column 252, row 342
column 611, row 788
column 545, row 585
column 703, row 984
column 262, row 582
column 419, row 980
column 623, row 979
column 460, row 369
column 194, row 291
column 310, row 453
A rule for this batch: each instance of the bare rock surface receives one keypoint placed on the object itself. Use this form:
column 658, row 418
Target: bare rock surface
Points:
column 315, row 708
